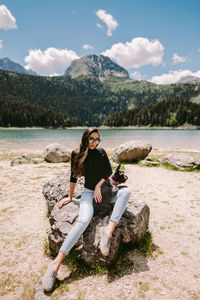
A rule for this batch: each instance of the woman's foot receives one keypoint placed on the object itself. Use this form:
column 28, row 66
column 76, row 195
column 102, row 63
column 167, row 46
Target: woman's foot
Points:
column 49, row 278
column 105, row 241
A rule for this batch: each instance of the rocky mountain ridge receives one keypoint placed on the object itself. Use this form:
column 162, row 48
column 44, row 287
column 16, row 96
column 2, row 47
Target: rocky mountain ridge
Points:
column 189, row 79
column 101, row 67
column 11, row 66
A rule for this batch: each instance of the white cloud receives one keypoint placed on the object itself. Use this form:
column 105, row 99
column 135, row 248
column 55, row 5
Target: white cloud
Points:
column 199, row 49
column 1, row 44
column 136, row 76
column 178, row 59
column 54, row 74
column 139, row 52
column 87, row 47
column 173, row 76
column 108, row 19
column 100, row 26
column 7, row 21
column 50, row 60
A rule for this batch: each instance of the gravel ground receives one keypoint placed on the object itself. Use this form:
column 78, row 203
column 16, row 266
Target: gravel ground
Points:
column 173, row 272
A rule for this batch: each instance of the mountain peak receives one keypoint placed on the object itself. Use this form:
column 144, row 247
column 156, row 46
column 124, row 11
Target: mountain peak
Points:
column 7, row 64
column 6, row 60
column 101, row 67
column 189, row 79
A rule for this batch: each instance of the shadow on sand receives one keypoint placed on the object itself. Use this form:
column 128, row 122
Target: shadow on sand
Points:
column 129, row 262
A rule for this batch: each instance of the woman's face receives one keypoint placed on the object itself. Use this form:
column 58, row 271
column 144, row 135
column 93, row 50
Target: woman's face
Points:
column 93, row 140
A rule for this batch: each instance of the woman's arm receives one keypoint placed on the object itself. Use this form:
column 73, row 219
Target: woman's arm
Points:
column 72, row 177
column 71, row 189
column 67, row 200
column 106, row 169
column 105, row 172
column 97, row 191
column 72, row 184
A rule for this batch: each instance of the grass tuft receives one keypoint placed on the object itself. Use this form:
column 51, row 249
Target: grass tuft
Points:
column 46, row 247
column 186, row 169
column 4, row 210
column 150, row 162
column 48, row 213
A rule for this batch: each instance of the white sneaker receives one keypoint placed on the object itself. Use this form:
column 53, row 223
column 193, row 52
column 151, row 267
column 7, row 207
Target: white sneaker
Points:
column 105, row 242
column 49, row 278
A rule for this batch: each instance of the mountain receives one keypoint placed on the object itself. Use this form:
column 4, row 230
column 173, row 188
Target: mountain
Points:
column 101, row 67
column 9, row 65
column 189, row 79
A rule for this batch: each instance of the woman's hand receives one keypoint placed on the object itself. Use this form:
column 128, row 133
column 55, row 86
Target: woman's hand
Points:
column 64, row 201
column 97, row 194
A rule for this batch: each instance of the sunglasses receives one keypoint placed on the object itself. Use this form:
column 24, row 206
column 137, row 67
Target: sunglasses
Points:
column 92, row 140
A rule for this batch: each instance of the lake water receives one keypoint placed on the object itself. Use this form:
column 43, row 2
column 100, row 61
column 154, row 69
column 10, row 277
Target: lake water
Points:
column 37, row 139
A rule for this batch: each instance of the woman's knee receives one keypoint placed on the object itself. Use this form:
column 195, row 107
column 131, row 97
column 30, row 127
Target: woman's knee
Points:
column 86, row 209
column 126, row 192
column 85, row 220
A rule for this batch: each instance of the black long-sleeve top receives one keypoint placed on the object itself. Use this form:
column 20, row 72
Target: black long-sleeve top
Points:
column 96, row 166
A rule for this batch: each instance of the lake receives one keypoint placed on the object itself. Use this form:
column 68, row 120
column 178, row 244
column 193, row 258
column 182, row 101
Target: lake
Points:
column 70, row 138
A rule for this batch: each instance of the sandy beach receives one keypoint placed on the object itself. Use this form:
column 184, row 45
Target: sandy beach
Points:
column 172, row 272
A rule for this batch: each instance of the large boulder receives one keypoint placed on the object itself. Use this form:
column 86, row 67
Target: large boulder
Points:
column 58, row 188
column 132, row 151
column 181, row 161
column 132, row 225
column 54, row 153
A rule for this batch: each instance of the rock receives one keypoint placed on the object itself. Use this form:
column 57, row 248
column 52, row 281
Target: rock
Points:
column 58, row 188
column 132, row 151
column 181, row 161
column 149, row 163
column 55, row 153
column 131, row 227
column 61, row 221
column 22, row 159
column 37, row 160
column 25, row 159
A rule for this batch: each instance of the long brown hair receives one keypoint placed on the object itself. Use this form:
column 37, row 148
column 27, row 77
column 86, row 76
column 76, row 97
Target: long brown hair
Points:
column 80, row 154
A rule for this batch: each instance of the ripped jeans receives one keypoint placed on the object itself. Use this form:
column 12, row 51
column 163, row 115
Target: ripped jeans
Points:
column 86, row 212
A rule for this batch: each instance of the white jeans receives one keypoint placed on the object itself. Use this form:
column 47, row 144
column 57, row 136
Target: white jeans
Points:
column 86, row 212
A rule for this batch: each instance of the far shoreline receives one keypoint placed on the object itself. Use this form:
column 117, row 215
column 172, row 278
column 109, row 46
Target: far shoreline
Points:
column 186, row 127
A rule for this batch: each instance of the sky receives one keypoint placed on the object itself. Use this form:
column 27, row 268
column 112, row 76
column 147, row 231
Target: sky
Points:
column 154, row 40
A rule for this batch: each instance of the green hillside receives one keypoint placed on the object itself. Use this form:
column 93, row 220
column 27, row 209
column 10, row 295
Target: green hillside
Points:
column 86, row 99
column 16, row 113
column 165, row 113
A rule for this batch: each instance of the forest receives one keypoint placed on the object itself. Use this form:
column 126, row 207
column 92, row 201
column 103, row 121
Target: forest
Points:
column 170, row 113
column 15, row 113
column 82, row 101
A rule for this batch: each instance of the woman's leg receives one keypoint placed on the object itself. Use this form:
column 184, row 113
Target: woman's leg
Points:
column 120, row 200
column 86, row 212
column 85, row 215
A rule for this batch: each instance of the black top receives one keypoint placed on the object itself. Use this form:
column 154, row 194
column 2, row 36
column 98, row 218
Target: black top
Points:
column 96, row 165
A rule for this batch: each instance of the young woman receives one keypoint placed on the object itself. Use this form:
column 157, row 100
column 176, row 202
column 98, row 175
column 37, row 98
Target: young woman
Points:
column 92, row 163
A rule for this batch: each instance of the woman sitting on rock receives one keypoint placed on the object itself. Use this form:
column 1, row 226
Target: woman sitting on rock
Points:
column 92, row 163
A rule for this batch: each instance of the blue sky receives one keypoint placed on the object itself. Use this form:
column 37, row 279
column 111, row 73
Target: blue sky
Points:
column 154, row 40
